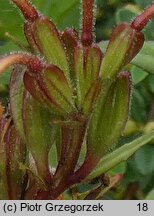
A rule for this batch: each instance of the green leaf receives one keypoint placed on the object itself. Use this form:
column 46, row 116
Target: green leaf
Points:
column 61, row 11
column 127, row 13
column 119, row 155
column 144, row 59
column 150, row 195
column 138, row 74
column 150, row 83
column 143, row 3
column 119, row 169
column 145, row 62
column 10, row 20
column 144, row 160
column 140, row 103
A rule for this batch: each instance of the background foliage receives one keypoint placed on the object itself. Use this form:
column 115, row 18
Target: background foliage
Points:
column 139, row 170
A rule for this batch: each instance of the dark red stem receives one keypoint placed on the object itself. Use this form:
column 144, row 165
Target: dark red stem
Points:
column 89, row 164
column 27, row 9
column 141, row 21
column 72, row 142
column 88, row 18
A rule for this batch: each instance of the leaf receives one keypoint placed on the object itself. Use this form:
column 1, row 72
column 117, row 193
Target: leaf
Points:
column 127, row 13
column 150, row 195
column 143, row 3
column 119, row 155
column 144, row 59
column 138, row 74
column 119, row 169
column 145, row 62
column 140, row 103
column 144, row 160
column 61, row 11
column 10, row 21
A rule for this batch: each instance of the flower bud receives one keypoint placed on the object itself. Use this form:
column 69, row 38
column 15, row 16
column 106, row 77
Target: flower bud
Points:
column 124, row 45
column 109, row 117
column 50, row 87
column 87, row 63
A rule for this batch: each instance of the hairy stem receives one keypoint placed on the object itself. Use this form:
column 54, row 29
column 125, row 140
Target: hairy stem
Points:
column 88, row 18
column 26, row 8
column 33, row 63
column 141, row 21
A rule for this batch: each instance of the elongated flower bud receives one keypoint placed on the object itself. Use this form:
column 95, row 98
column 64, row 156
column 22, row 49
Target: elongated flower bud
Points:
column 124, row 45
column 43, row 35
column 51, row 45
column 109, row 117
column 50, row 87
column 87, row 63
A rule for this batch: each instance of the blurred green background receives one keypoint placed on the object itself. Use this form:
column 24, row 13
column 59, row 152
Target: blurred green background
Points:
column 138, row 172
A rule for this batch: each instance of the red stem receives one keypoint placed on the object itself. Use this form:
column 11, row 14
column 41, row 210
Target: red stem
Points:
column 69, row 160
column 28, row 11
column 89, row 164
column 34, row 64
column 88, row 18
column 141, row 21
